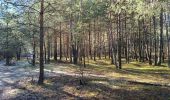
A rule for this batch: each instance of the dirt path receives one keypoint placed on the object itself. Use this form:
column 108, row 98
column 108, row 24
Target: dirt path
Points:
column 9, row 75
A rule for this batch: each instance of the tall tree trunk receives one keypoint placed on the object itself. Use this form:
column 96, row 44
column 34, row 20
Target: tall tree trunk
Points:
column 150, row 43
column 84, row 52
column 41, row 75
column 161, row 38
column 51, row 47
column 34, row 52
column 111, row 40
column 155, row 41
column 90, row 51
column 71, row 38
column 67, row 51
column 94, row 49
column 45, row 53
column 55, row 45
column 98, row 40
column 139, row 46
column 48, row 49
column 126, row 40
column 168, row 38
column 119, row 42
column 75, row 53
column 143, row 41
column 60, row 43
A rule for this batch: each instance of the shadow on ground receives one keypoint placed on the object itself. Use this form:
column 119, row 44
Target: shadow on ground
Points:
column 65, row 87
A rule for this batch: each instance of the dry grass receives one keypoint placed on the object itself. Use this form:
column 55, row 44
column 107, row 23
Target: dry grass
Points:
column 136, row 71
column 114, row 86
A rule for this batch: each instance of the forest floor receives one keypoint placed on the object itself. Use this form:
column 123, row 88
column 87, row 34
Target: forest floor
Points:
column 135, row 81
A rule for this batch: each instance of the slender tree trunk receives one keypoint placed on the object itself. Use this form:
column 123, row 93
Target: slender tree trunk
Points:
column 75, row 54
column 67, row 47
column 110, row 40
column 48, row 49
column 150, row 43
column 168, row 44
column 155, row 41
column 109, row 44
column 60, row 43
column 84, row 53
column 71, row 39
column 143, row 41
column 126, row 40
column 119, row 42
column 34, row 52
column 90, row 51
column 51, row 47
column 45, row 53
column 18, row 53
column 41, row 75
column 55, row 45
column 139, row 46
column 161, row 38
column 99, row 41
column 94, row 51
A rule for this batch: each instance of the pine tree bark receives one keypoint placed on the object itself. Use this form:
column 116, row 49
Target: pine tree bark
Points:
column 150, row 43
column 55, row 45
column 34, row 51
column 60, row 44
column 45, row 53
column 161, row 38
column 139, row 36
column 155, row 41
column 168, row 40
column 119, row 42
column 71, row 39
column 94, row 49
column 48, row 49
column 90, row 51
column 41, row 75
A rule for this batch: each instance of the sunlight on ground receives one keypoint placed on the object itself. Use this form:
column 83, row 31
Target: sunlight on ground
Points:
column 133, row 71
column 104, row 81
